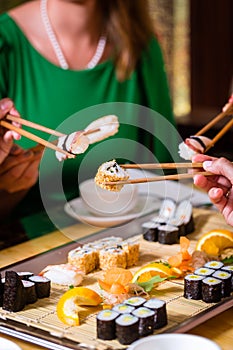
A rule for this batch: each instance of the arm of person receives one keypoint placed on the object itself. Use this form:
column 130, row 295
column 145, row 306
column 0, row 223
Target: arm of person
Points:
column 219, row 186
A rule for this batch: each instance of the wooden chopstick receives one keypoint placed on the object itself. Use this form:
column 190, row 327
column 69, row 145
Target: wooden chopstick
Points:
column 219, row 135
column 34, row 125
column 214, row 121
column 161, row 166
column 35, row 138
column 156, row 178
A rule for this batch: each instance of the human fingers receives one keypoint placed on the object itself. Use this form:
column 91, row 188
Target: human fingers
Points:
column 227, row 105
column 200, row 158
column 7, row 106
column 14, row 160
column 220, row 166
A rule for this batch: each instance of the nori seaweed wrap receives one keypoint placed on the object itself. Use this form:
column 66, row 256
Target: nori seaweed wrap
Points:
column 225, row 277
column 14, row 292
column 193, row 286
column 168, row 234
column 184, row 213
column 105, row 323
column 229, row 269
column 211, row 290
column 127, row 328
column 146, row 320
column 150, row 231
column 159, row 307
column 30, row 292
column 42, row 285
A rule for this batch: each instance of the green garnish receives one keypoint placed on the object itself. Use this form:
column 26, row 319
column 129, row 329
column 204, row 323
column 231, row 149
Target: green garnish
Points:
column 228, row 260
column 149, row 285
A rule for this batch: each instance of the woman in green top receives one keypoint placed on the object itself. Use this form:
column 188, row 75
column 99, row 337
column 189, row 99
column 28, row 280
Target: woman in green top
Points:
column 67, row 63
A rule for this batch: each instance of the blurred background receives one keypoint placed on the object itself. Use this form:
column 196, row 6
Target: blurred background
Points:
column 197, row 41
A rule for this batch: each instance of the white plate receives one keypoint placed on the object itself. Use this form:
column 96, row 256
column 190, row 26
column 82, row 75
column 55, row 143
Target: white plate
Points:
column 6, row 344
column 146, row 204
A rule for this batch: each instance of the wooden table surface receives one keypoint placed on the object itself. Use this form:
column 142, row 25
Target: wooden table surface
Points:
column 218, row 328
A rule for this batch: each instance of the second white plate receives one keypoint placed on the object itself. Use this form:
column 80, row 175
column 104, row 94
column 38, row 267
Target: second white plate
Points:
column 146, row 204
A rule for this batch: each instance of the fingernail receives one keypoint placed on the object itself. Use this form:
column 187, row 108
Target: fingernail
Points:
column 207, row 164
column 5, row 105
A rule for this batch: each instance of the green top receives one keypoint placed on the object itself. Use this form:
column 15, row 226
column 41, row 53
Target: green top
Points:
column 69, row 100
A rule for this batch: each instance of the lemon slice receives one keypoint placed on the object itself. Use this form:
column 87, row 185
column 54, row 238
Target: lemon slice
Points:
column 213, row 242
column 68, row 304
column 148, row 271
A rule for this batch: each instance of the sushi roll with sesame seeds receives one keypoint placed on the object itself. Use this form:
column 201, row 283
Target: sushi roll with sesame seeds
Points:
column 150, row 231
column 168, row 234
column 123, row 308
column 105, row 323
column 135, row 301
column 160, row 309
column 146, row 320
column 85, row 259
column 211, row 289
column 229, row 269
column 112, row 257
column 204, row 271
column 225, row 277
column 193, row 286
column 214, row 264
column 131, row 249
column 127, row 328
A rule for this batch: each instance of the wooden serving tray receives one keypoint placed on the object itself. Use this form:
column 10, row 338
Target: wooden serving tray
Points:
column 38, row 322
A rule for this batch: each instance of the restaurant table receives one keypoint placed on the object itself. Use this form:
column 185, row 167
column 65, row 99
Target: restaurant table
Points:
column 218, row 328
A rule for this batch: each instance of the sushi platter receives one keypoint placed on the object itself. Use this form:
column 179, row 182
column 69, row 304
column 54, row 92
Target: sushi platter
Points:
column 38, row 322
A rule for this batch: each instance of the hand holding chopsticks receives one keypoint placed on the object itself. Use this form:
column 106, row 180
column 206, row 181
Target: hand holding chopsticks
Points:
column 78, row 141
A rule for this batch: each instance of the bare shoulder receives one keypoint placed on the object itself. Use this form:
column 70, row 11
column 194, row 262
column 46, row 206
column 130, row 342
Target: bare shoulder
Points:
column 27, row 17
column 24, row 15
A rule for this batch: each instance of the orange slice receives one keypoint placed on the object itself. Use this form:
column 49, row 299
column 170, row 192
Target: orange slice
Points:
column 148, row 271
column 68, row 304
column 213, row 242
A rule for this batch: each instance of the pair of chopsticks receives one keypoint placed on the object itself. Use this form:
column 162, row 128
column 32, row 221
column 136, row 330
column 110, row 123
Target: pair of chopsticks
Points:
column 159, row 178
column 36, row 138
column 214, row 121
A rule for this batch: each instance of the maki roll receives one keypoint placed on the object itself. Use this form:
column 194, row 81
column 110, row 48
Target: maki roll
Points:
column 204, row 271
column 123, row 308
column 24, row 275
column 146, row 320
column 225, row 277
column 150, row 231
column 193, row 286
column 105, row 323
column 30, row 292
column 14, row 292
column 179, row 224
column 42, row 285
column 168, row 234
column 229, row 269
column 127, row 328
column 159, row 307
column 214, row 264
column 211, row 290
column 135, row 301
column 193, row 145
column 159, row 220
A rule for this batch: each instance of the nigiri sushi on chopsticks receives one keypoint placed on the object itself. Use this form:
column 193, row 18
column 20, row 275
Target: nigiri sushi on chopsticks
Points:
column 67, row 146
column 201, row 144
